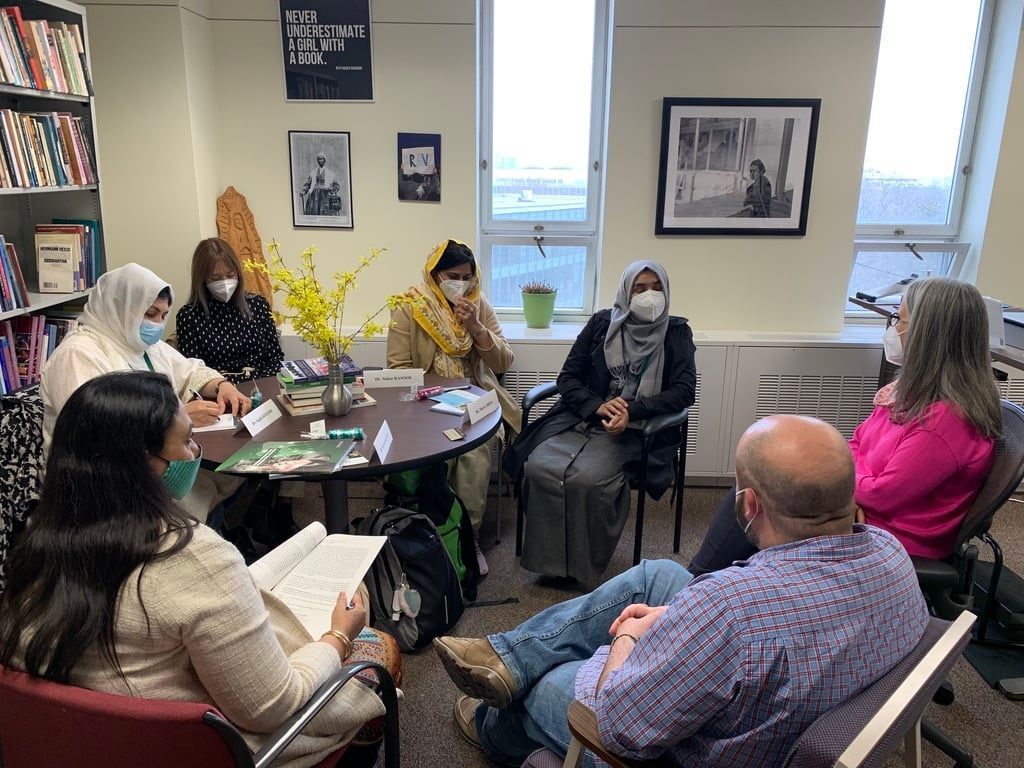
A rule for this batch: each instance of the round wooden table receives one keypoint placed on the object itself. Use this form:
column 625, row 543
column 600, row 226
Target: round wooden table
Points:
column 415, row 429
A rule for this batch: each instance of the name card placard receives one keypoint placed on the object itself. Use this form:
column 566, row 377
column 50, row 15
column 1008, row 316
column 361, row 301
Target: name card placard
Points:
column 482, row 406
column 393, row 377
column 260, row 418
column 382, row 442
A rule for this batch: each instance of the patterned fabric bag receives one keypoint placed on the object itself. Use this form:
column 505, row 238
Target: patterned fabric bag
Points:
column 21, row 462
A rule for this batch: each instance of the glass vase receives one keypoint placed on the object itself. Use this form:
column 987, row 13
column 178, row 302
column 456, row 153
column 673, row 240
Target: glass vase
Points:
column 337, row 398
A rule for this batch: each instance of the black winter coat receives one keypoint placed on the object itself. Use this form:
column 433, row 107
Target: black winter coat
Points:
column 583, row 385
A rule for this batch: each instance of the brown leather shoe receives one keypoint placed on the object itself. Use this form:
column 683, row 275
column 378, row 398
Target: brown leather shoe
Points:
column 476, row 669
column 465, row 719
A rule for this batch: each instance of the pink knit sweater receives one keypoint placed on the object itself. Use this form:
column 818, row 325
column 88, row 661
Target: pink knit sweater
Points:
column 917, row 480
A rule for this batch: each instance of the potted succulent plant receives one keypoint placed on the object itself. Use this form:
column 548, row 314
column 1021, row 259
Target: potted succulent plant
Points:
column 538, row 303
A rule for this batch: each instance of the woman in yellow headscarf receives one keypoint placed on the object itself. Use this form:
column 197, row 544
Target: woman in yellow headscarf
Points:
column 453, row 332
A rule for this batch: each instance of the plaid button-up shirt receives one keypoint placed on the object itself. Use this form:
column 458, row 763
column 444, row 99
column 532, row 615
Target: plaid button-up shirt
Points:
column 746, row 658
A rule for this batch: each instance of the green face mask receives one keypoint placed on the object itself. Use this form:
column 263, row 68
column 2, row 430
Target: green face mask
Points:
column 180, row 475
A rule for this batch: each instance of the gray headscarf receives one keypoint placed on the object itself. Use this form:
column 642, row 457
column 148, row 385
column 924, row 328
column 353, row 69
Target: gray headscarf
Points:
column 634, row 351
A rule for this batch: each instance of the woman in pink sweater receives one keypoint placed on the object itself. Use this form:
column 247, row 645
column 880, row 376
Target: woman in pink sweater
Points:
column 927, row 447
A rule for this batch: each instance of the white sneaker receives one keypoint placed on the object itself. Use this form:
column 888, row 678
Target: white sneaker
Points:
column 481, row 561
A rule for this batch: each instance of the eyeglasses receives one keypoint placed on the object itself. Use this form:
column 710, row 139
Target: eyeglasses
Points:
column 894, row 319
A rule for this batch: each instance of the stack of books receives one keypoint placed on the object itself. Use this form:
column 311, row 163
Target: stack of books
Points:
column 44, row 55
column 44, row 149
column 303, row 383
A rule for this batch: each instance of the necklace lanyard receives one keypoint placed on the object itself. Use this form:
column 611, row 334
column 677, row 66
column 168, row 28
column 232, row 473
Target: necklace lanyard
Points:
column 149, row 363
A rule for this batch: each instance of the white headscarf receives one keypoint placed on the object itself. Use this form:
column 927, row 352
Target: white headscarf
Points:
column 634, row 350
column 118, row 304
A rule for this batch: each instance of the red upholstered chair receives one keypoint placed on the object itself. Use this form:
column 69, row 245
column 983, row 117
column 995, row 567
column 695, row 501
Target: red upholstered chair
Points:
column 47, row 724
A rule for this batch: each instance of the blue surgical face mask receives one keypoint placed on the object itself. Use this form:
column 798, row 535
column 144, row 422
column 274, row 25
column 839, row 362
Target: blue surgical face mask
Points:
column 151, row 332
column 180, row 475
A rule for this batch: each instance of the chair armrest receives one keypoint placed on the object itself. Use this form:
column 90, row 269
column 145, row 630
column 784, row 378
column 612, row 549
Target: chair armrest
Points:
column 294, row 724
column 666, row 421
column 935, row 574
column 583, row 724
column 535, row 395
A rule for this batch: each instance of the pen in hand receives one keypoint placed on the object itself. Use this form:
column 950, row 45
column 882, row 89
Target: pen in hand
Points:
column 195, row 395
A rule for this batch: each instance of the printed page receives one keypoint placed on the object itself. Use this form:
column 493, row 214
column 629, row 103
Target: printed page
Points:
column 336, row 565
column 275, row 565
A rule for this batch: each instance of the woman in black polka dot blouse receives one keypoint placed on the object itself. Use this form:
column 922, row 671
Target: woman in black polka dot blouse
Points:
column 221, row 324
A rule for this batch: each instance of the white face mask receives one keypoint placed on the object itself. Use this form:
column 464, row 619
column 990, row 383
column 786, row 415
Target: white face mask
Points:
column 453, row 290
column 892, row 345
column 222, row 290
column 647, row 306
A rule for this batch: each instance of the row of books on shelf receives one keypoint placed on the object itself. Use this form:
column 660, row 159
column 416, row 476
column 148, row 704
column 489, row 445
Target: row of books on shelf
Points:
column 26, row 343
column 13, row 291
column 44, row 55
column 68, row 255
column 44, row 149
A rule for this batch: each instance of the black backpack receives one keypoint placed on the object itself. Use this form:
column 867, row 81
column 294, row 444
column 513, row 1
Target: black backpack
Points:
column 426, row 490
column 414, row 557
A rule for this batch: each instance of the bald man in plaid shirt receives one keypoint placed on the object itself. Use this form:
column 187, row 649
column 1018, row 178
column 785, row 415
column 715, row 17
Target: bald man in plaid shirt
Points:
column 726, row 669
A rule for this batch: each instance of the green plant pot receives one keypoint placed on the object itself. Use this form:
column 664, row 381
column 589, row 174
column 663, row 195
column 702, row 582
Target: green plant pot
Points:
column 538, row 309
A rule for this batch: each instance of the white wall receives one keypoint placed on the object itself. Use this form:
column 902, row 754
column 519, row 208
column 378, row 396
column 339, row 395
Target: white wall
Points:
column 146, row 145
column 741, row 49
column 192, row 99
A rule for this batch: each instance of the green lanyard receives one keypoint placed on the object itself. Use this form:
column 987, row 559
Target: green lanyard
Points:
column 149, row 363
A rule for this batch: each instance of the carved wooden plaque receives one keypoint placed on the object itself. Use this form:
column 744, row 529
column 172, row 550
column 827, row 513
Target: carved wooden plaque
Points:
column 236, row 225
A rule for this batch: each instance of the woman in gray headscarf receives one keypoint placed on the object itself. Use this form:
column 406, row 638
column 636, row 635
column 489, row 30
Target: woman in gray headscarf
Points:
column 630, row 363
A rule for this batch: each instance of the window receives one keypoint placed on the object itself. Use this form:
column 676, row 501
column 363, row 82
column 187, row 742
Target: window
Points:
column 917, row 160
column 543, row 96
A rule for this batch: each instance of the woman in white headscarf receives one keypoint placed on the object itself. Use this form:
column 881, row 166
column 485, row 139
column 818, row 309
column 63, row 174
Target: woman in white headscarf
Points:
column 631, row 362
column 120, row 330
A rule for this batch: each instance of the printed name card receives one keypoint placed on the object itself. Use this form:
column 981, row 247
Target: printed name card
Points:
column 382, row 442
column 393, row 377
column 482, row 406
column 260, row 418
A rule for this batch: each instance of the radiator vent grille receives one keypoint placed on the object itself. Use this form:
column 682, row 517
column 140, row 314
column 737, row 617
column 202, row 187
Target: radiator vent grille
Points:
column 518, row 383
column 842, row 401
column 1012, row 390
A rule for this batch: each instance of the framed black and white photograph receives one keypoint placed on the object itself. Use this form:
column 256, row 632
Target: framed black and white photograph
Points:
column 736, row 166
column 419, row 167
column 321, row 180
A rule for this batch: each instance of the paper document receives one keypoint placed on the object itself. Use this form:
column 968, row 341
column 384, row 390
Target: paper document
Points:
column 226, row 421
column 308, row 571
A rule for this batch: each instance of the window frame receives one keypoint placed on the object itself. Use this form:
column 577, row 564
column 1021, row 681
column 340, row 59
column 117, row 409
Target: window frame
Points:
column 968, row 132
column 586, row 233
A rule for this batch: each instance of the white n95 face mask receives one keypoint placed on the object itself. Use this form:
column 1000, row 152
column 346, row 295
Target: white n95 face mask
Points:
column 453, row 290
column 647, row 306
column 222, row 290
column 892, row 345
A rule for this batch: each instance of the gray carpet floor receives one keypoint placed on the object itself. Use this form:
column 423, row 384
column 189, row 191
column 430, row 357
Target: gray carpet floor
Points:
column 980, row 719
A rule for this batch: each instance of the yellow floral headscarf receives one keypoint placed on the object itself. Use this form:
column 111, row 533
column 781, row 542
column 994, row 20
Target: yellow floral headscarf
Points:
column 435, row 316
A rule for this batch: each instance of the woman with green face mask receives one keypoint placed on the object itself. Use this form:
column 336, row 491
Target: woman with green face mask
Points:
column 116, row 589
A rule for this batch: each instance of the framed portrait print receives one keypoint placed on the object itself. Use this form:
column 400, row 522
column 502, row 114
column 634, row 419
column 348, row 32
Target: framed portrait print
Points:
column 419, row 167
column 735, row 166
column 321, row 178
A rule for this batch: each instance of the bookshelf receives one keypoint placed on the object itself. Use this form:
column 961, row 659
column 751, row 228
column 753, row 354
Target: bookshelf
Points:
column 22, row 208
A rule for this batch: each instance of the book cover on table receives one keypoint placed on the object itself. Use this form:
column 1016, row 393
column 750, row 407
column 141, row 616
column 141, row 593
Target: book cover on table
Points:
column 310, row 570
column 298, row 457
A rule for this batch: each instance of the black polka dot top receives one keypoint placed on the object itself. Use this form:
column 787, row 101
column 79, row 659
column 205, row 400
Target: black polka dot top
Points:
column 227, row 341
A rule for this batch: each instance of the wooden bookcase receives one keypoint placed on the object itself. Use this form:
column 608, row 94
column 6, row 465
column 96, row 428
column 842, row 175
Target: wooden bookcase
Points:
column 22, row 208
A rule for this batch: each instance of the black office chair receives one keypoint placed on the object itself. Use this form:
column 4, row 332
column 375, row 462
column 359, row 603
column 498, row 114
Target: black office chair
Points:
column 678, row 421
column 949, row 584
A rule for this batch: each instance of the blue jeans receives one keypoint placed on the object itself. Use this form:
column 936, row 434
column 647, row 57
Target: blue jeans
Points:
column 545, row 652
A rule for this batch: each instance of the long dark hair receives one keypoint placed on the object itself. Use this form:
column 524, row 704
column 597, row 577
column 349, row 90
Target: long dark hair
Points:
column 208, row 254
column 103, row 513
column 946, row 355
